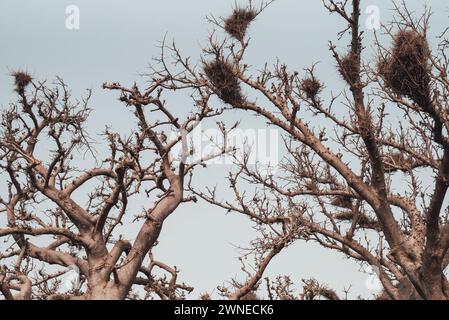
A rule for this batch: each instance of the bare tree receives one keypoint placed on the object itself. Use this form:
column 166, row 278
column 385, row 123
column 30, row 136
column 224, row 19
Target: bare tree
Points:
column 59, row 216
column 366, row 171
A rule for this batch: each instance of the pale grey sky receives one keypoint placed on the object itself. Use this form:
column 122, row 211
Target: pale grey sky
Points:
column 117, row 40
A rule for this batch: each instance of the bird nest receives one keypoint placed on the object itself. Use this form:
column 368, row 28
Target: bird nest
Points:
column 237, row 24
column 21, row 80
column 342, row 202
column 224, row 81
column 349, row 69
column 311, row 87
column 405, row 69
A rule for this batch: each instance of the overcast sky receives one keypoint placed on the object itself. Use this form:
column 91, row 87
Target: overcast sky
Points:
column 117, row 40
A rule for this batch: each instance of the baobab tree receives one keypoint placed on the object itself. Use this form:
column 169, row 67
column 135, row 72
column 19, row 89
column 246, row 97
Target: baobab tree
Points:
column 58, row 216
column 366, row 172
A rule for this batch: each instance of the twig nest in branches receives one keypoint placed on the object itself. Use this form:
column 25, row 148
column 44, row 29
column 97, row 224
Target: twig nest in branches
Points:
column 205, row 296
column 250, row 296
column 348, row 68
column 406, row 69
column 342, row 202
column 311, row 87
column 224, row 81
column 237, row 24
column 21, row 81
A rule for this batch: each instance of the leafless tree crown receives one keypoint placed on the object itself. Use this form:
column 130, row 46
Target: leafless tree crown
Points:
column 370, row 184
